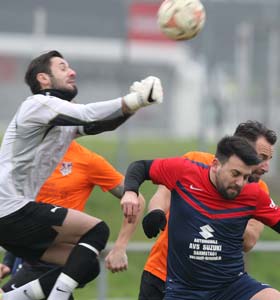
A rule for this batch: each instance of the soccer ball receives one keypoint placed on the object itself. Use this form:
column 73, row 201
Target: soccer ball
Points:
column 181, row 19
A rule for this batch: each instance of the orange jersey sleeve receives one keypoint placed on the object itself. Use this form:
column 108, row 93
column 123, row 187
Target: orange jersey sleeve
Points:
column 157, row 259
column 263, row 186
column 76, row 175
column 203, row 157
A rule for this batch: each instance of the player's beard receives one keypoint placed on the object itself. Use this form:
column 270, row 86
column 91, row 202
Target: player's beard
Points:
column 224, row 191
column 255, row 176
column 70, row 93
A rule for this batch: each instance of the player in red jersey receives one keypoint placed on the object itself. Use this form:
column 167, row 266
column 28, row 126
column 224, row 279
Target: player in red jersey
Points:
column 209, row 211
column 70, row 186
column 153, row 278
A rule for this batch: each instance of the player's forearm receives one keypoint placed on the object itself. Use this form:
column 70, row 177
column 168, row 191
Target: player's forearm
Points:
column 251, row 235
column 127, row 230
column 105, row 125
column 136, row 174
column 160, row 200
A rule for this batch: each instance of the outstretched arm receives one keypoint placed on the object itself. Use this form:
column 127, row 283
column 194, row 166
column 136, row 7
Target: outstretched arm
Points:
column 93, row 118
column 142, row 93
column 116, row 260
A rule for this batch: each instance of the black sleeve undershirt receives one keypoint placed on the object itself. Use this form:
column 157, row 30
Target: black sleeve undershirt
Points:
column 105, row 125
column 91, row 128
column 276, row 227
column 136, row 174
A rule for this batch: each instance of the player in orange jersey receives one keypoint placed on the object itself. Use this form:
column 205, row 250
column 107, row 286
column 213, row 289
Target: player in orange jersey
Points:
column 70, row 186
column 152, row 284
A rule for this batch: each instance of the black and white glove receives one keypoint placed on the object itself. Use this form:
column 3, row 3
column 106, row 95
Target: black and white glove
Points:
column 145, row 92
column 153, row 222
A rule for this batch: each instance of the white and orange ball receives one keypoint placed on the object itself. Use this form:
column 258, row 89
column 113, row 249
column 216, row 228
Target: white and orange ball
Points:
column 181, row 19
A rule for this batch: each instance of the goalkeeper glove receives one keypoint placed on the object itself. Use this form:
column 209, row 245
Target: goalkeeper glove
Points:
column 145, row 92
column 153, row 222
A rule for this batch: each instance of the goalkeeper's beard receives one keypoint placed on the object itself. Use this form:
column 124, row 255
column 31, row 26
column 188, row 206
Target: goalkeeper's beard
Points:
column 70, row 93
column 67, row 94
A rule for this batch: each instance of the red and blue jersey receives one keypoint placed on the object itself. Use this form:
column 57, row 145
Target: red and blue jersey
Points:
column 205, row 230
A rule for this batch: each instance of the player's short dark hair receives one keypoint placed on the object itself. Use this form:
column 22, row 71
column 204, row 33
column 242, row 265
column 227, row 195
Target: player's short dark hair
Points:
column 239, row 146
column 40, row 64
column 252, row 130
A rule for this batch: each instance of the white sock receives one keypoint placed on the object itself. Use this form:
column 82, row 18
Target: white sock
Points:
column 63, row 288
column 30, row 291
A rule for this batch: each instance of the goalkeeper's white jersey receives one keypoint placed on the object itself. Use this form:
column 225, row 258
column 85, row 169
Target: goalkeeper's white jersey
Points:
column 34, row 143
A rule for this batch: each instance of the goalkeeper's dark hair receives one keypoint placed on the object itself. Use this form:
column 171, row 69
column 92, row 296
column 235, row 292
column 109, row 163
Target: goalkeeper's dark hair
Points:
column 252, row 130
column 40, row 64
column 235, row 145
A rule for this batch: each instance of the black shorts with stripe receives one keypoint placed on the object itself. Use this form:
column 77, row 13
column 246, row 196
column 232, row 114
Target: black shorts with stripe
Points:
column 29, row 231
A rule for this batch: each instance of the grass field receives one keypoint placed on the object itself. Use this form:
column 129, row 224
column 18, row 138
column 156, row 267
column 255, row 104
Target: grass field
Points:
column 263, row 266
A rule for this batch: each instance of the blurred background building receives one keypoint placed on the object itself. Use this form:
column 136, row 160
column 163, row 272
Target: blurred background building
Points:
column 227, row 74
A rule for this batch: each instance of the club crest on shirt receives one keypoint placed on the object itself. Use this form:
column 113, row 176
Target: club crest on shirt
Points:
column 66, row 168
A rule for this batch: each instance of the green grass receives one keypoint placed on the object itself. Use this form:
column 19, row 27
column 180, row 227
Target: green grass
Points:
column 262, row 266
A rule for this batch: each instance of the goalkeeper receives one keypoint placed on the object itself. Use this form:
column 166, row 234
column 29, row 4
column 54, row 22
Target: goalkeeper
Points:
column 35, row 141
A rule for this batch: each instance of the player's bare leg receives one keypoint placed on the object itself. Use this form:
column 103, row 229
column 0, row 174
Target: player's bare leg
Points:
column 75, row 225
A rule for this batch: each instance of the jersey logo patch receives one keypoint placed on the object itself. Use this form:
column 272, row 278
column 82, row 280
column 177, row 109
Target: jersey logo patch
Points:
column 195, row 188
column 53, row 210
column 60, row 290
column 272, row 204
column 206, row 231
column 66, row 168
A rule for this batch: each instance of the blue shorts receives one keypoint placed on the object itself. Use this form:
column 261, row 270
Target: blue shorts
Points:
column 242, row 289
